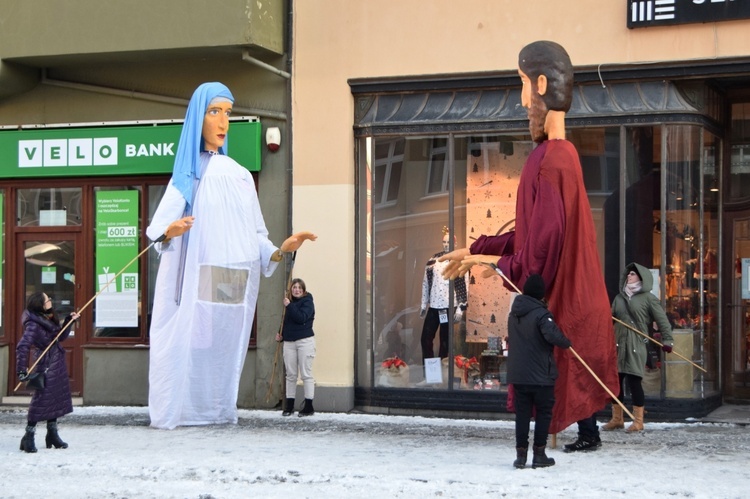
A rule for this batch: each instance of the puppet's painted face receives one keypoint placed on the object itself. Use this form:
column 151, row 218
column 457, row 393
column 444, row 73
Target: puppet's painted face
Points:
column 216, row 125
column 537, row 109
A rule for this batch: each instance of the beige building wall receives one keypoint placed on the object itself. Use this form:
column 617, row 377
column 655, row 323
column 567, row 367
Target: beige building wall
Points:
column 336, row 40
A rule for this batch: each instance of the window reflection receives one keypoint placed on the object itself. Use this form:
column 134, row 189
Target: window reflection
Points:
column 48, row 207
column 739, row 169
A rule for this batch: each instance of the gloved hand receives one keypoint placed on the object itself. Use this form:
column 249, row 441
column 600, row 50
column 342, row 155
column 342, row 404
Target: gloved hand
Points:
column 179, row 227
column 23, row 374
column 422, row 313
column 458, row 315
column 667, row 348
column 657, row 337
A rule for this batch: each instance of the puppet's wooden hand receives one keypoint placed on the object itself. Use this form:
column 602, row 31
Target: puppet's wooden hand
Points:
column 454, row 258
column 472, row 260
column 179, row 227
column 293, row 242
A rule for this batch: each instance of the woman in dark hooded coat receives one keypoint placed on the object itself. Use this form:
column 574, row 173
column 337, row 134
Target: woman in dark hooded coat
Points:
column 40, row 327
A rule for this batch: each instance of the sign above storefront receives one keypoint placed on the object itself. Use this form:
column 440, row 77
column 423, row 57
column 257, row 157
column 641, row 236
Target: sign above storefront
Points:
column 644, row 13
column 111, row 150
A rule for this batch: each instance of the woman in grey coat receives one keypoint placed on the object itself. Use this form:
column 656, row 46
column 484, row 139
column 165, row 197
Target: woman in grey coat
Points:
column 40, row 327
column 637, row 306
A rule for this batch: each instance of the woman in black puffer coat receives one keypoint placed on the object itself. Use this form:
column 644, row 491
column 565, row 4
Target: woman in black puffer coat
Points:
column 299, row 346
column 40, row 327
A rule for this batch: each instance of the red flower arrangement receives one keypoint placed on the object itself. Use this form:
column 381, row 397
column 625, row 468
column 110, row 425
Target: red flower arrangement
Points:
column 393, row 363
column 469, row 365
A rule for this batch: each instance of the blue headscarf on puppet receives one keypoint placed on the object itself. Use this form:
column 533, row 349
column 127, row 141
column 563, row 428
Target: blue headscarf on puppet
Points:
column 187, row 160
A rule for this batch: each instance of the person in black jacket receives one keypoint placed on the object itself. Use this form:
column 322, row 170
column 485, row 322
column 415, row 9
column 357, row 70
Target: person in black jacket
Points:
column 532, row 336
column 299, row 346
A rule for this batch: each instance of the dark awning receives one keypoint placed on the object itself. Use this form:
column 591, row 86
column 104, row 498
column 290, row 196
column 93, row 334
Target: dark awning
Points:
column 499, row 109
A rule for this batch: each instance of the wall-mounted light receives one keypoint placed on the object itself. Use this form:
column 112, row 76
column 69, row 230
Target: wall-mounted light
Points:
column 714, row 186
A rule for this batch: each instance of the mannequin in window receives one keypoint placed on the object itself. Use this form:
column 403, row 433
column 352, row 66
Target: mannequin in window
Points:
column 435, row 298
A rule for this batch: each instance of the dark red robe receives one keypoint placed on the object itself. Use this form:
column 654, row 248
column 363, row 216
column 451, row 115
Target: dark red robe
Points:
column 555, row 237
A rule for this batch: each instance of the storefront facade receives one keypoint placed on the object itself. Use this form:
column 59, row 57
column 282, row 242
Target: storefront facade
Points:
column 432, row 116
column 401, row 129
column 89, row 123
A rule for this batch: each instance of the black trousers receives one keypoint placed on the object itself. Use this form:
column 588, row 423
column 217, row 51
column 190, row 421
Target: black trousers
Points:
column 588, row 428
column 528, row 398
column 430, row 327
column 636, row 389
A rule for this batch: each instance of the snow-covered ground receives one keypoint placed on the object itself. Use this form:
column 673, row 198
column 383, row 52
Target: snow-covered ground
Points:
column 114, row 453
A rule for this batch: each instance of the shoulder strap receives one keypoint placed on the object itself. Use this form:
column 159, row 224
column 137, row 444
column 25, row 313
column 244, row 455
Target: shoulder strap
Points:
column 630, row 313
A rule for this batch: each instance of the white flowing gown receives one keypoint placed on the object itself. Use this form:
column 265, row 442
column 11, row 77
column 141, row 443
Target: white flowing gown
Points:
column 198, row 347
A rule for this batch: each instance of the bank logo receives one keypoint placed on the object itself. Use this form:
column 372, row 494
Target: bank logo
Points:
column 67, row 152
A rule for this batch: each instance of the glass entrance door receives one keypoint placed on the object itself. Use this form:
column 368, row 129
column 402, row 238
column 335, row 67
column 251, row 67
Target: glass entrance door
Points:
column 738, row 386
column 49, row 265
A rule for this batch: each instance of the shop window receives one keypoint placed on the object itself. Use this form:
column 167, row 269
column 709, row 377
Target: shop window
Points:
column 739, row 162
column 47, row 207
column 684, row 254
column 155, row 193
column 404, row 237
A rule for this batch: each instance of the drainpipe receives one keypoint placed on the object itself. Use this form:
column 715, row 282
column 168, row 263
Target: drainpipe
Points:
column 288, row 108
column 252, row 60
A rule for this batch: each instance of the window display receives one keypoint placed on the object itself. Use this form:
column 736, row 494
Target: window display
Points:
column 428, row 191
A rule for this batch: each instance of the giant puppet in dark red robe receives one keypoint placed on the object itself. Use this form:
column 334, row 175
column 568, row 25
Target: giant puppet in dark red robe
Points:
column 555, row 237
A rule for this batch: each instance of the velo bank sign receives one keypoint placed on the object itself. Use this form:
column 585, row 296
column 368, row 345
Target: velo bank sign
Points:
column 643, row 13
column 111, row 150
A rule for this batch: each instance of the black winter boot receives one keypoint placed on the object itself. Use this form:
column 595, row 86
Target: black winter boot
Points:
column 540, row 459
column 521, row 453
column 27, row 442
column 307, row 409
column 53, row 438
column 585, row 444
column 288, row 407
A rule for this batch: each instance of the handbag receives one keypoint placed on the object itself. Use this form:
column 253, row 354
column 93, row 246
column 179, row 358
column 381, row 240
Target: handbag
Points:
column 36, row 380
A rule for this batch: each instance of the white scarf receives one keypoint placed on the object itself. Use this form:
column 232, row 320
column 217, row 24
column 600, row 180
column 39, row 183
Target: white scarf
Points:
column 633, row 288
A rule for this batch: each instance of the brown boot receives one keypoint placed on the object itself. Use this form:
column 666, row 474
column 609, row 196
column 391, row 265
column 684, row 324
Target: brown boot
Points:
column 617, row 422
column 638, row 421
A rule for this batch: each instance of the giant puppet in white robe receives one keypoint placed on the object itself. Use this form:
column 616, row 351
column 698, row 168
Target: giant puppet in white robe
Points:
column 207, row 285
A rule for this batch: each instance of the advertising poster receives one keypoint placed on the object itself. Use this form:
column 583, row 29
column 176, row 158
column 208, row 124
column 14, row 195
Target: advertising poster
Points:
column 116, row 245
column 2, row 257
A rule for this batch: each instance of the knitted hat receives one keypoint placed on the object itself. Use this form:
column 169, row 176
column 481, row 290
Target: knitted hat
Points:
column 534, row 287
